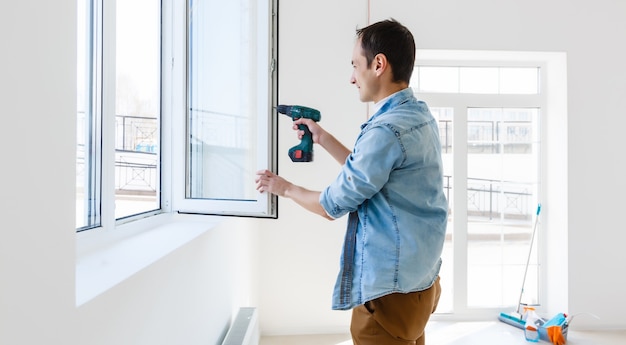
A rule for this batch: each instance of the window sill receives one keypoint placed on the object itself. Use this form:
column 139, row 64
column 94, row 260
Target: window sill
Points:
column 105, row 258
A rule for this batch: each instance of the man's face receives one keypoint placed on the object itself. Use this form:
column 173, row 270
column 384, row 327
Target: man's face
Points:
column 363, row 76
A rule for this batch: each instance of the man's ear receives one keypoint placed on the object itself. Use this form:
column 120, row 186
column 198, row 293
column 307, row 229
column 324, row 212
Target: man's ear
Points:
column 380, row 64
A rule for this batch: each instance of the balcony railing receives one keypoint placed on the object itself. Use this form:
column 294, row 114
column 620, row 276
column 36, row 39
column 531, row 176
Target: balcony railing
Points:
column 136, row 148
column 136, row 173
column 494, row 199
column 136, row 155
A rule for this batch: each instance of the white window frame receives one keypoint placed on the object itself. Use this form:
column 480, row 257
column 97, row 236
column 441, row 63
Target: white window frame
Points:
column 174, row 118
column 104, row 94
column 552, row 103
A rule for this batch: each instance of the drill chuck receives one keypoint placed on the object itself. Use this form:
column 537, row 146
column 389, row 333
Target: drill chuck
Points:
column 284, row 109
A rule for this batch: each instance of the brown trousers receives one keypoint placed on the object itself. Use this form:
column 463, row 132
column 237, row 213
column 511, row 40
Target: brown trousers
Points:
column 395, row 319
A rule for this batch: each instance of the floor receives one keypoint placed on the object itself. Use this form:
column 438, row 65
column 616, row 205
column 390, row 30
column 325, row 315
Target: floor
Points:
column 463, row 333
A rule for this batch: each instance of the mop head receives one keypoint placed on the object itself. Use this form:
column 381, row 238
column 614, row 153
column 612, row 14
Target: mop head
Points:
column 513, row 319
column 553, row 330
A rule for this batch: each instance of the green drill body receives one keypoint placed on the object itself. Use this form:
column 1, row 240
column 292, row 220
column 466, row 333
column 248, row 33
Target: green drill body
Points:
column 302, row 152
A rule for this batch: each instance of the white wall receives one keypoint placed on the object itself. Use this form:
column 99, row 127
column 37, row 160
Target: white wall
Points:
column 299, row 252
column 188, row 297
column 36, row 184
column 190, row 294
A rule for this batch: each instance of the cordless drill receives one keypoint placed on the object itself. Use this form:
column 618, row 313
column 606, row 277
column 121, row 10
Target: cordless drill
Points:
column 302, row 152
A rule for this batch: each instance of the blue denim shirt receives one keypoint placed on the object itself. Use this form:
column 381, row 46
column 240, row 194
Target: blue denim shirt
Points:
column 394, row 179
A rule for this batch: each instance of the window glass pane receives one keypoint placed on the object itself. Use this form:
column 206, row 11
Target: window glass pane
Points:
column 88, row 118
column 444, row 118
column 226, row 95
column 502, row 186
column 478, row 80
column 137, row 107
column 519, row 80
column 438, row 79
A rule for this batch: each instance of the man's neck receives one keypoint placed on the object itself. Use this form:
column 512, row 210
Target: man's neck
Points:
column 380, row 102
column 390, row 90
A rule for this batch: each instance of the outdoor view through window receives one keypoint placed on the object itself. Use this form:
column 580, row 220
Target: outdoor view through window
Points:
column 137, row 107
column 129, row 176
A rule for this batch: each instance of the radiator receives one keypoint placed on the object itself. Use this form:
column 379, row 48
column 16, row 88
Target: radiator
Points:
column 245, row 329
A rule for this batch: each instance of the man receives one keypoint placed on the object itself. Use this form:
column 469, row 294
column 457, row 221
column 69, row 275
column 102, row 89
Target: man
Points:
column 391, row 183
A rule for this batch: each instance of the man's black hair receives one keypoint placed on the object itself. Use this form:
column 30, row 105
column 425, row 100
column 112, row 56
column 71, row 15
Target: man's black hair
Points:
column 395, row 41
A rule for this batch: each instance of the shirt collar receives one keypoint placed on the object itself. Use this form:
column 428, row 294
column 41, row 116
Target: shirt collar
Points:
column 380, row 103
column 391, row 99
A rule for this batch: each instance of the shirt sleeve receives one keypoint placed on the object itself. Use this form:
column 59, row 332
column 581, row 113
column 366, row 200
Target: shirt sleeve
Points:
column 376, row 153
